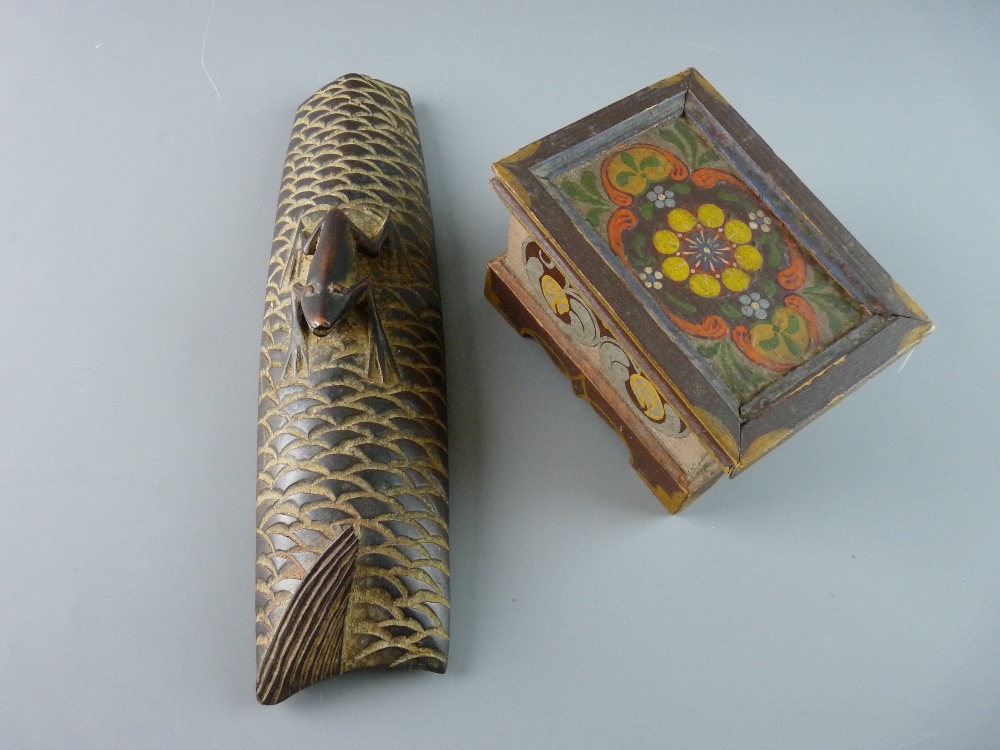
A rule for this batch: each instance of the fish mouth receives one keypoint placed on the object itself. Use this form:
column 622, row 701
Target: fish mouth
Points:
column 320, row 329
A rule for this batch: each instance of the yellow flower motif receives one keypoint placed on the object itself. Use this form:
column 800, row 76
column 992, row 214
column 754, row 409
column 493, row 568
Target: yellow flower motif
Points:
column 666, row 242
column 748, row 257
column 702, row 248
column 681, row 220
column 711, row 215
column 676, row 268
column 737, row 232
column 704, row 285
column 735, row 280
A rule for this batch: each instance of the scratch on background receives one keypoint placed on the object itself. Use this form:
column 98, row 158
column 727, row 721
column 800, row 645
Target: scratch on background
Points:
column 905, row 360
column 101, row 44
column 203, row 40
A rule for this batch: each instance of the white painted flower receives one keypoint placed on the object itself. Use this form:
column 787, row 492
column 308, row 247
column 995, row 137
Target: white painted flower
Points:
column 754, row 306
column 647, row 277
column 661, row 197
column 758, row 220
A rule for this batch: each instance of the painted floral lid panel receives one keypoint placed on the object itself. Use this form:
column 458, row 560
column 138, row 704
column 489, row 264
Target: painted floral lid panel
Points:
column 724, row 269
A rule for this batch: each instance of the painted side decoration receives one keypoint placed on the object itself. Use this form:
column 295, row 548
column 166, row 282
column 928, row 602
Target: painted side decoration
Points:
column 582, row 325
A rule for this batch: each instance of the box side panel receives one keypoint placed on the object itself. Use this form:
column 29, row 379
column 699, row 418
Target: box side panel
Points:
column 539, row 300
column 669, row 376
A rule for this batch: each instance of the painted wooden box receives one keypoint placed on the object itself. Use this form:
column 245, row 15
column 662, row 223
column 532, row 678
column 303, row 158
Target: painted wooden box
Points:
column 692, row 288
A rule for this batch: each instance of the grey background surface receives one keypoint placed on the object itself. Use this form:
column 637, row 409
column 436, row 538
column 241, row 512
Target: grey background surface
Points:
column 844, row 593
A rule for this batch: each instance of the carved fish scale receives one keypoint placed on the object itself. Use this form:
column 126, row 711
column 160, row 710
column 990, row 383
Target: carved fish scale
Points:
column 352, row 502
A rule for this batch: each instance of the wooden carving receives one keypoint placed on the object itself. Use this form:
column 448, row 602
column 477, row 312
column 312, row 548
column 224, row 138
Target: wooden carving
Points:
column 352, row 500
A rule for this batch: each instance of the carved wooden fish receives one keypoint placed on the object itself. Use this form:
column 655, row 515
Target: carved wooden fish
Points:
column 352, row 490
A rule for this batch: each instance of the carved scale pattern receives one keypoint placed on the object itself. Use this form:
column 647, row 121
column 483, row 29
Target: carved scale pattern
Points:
column 338, row 449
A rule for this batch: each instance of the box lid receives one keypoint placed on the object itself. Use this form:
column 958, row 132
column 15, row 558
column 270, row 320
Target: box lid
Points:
column 755, row 307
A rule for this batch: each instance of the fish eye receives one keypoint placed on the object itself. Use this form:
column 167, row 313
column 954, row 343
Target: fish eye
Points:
column 336, row 288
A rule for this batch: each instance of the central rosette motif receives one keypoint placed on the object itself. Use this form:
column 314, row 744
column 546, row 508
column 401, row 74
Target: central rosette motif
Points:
column 707, row 250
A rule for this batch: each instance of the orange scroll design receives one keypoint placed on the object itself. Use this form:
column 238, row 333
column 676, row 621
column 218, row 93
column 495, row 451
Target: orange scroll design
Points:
column 794, row 276
column 711, row 327
column 620, row 220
